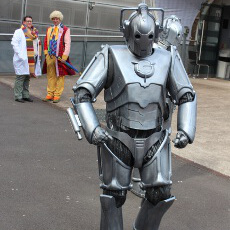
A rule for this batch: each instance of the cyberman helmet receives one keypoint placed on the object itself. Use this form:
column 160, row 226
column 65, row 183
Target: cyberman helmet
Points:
column 172, row 31
column 141, row 29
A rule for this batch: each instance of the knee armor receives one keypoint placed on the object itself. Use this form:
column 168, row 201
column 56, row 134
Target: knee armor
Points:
column 156, row 194
column 120, row 196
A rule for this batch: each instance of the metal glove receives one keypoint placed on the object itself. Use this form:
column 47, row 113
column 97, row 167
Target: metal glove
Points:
column 100, row 136
column 181, row 140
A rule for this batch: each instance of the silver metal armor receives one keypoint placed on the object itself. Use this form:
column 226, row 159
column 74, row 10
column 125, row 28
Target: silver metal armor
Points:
column 138, row 81
column 170, row 36
column 172, row 31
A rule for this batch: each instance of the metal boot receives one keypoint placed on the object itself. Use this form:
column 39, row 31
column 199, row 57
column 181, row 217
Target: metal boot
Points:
column 111, row 216
column 149, row 216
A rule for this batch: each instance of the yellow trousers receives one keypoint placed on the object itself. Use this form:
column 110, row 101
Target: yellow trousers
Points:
column 55, row 84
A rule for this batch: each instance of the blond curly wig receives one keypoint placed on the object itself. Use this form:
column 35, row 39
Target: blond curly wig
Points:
column 56, row 14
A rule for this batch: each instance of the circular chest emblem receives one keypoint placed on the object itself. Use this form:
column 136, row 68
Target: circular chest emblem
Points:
column 144, row 68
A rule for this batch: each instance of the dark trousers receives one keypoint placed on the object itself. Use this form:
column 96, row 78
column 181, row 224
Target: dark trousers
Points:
column 21, row 86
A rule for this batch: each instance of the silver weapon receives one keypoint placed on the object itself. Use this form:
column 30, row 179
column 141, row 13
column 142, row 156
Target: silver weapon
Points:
column 74, row 120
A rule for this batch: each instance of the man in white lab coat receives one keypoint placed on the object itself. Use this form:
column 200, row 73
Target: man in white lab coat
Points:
column 26, row 60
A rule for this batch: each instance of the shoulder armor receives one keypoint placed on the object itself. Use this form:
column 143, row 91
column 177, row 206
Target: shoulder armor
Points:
column 178, row 83
column 94, row 76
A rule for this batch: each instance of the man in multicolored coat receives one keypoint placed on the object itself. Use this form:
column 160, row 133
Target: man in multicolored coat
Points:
column 57, row 44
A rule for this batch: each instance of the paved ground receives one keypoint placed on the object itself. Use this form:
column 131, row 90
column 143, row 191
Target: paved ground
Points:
column 211, row 147
column 48, row 179
column 212, row 143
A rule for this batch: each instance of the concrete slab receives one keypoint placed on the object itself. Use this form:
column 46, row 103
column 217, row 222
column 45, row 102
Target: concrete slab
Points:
column 212, row 143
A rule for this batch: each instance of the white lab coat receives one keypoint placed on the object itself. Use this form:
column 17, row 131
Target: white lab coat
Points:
column 20, row 59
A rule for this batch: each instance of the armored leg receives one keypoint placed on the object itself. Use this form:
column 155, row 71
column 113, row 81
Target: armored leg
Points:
column 155, row 175
column 136, row 181
column 149, row 216
column 116, row 178
column 111, row 216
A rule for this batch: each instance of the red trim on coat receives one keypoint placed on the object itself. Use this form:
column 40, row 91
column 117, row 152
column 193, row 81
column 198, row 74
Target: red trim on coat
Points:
column 62, row 68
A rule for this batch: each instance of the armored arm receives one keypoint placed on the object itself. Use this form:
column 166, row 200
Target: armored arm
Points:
column 182, row 92
column 92, row 81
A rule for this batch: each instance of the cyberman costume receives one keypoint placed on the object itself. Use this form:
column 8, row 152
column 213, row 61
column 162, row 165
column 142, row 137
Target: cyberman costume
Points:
column 170, row 35
column 138, row 80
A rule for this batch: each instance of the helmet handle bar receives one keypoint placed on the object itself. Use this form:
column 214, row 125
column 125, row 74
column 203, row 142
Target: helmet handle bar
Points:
column 136, row 9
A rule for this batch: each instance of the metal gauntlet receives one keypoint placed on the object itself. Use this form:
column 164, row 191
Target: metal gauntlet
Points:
column 186, row 119
column 88, row 119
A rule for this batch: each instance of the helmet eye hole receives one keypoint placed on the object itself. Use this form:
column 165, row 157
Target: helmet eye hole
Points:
column 137, row 36
column 151, row 36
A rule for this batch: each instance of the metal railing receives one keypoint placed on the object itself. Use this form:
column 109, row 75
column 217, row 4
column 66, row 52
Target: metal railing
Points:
column 72, row 35
column 81, row 54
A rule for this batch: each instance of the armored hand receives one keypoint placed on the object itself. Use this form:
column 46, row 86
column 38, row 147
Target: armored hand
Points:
column 100, row 136
column 181, row 140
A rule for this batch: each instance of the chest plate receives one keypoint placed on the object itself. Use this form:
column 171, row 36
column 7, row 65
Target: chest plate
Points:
column 144, row 69
column 129, row 69
column 138, row 88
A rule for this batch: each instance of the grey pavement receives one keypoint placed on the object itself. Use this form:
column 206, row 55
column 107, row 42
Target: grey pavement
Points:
column 49, row 181
column 211, row 147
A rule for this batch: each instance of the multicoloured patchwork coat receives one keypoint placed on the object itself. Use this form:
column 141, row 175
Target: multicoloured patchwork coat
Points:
column 63, row 50
column 21, row 60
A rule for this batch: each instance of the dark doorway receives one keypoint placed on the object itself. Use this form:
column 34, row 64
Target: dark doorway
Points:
column 209, row 27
